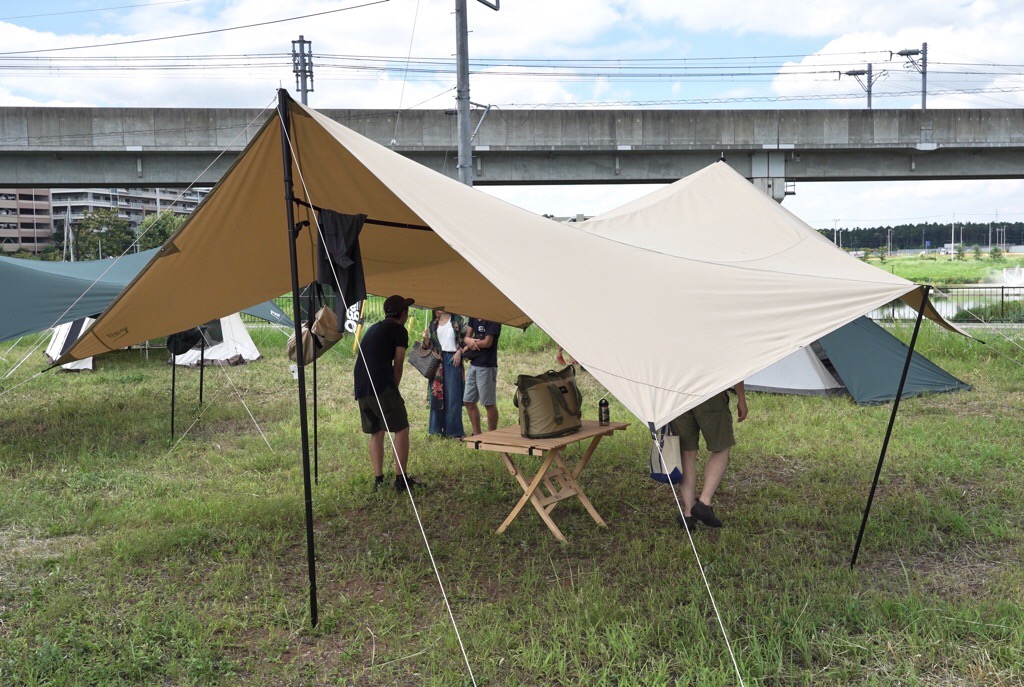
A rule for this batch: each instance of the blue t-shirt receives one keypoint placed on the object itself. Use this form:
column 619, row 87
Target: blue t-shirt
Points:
column 479, row 329
column 378, row 347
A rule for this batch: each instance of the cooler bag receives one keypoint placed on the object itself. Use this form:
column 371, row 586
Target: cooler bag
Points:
column 550, row 404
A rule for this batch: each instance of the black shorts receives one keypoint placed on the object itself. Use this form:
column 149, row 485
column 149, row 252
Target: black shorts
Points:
column 393, row 418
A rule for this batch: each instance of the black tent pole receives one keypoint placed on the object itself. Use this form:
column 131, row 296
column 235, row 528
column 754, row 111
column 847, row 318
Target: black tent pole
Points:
column 892, row 421
column 289, row 198
column 202, row 363
column 174, row 374
column 316, row 440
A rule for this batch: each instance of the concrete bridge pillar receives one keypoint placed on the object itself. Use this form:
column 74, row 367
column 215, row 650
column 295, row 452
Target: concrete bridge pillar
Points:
column 768, row 172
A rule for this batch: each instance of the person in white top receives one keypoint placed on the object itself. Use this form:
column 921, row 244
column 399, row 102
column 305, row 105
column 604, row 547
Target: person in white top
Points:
column 445, row 390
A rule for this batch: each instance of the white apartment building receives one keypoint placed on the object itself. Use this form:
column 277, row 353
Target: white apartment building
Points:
column 133, row 204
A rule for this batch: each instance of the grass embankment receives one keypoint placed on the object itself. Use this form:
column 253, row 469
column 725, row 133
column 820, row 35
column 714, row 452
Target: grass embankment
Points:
column 123, row 561
column 939, row 269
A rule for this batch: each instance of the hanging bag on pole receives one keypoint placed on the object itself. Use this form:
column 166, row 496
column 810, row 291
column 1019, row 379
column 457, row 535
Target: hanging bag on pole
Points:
column 550, row 404
column 672, row 469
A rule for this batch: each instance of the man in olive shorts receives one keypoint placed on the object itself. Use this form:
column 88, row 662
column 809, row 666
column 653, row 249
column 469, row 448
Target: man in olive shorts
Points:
column 713, row 419
column 378, row 373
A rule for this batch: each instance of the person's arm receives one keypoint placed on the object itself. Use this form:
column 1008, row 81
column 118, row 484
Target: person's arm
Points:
column 399, row 365
column 741, row 402
column 480, row 344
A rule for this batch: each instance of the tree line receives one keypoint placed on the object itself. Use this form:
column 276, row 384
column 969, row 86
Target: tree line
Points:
column 931, row 235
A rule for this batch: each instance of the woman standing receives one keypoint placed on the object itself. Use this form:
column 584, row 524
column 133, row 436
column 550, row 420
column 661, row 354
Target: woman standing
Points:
column 445, row 389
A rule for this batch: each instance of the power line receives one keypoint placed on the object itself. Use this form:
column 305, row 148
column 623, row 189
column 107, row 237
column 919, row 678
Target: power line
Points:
column 190, row 35
column 95, row 9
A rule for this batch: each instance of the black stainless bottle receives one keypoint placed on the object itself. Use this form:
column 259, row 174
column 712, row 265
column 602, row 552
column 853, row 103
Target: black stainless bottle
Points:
column 603, row 417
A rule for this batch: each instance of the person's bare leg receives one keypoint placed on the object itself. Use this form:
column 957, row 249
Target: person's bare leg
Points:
column 474, row 416
column 377, row 453
column 714, row 471
column 688, row 487
column 402, row 450
column 492, row 417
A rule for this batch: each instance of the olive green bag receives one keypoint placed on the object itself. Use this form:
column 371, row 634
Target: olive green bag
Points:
column 550, row 404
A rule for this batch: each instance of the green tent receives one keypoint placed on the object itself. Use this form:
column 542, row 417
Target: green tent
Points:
column 39, row 295
column 860, row 358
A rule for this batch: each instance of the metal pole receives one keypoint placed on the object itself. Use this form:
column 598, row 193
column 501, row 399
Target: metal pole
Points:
column 869, row 85
column 462, row 93
column 924, row 76
column 892, row 421
column 202, row 362
column 286, row 155
column 174, row 374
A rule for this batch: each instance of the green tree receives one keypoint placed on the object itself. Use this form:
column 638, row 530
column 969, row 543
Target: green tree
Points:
column 883, row 253
column 961, row 252
column 996, row 254
column 101, row 233
column 976, row 252
column 156, row 229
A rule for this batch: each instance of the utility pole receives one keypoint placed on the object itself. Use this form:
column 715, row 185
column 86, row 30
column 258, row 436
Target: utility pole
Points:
column 921, row 67
column 868, row 81
column 835, row 225
column 462, row 88
column 302, row 66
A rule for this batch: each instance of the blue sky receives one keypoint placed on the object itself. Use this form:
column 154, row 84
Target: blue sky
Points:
column 737, row 54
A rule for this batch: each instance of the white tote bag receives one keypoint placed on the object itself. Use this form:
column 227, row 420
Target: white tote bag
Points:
column 672, row 469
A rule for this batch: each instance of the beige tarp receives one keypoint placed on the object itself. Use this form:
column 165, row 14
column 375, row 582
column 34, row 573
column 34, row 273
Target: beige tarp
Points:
column 661, row 328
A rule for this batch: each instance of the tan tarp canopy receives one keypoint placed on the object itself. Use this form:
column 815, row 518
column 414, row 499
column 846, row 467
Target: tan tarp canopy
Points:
column 661, row 327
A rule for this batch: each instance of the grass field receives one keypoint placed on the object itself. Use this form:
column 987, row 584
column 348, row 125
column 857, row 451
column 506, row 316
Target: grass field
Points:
column 125, row 560
column 939, row 269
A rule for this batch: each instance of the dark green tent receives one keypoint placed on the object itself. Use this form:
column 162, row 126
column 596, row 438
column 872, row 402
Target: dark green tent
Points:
column 860, row 358
column 39, row 295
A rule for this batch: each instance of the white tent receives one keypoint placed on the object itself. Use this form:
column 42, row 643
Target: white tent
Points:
column 227, row 343
column 802, row 373
column 750, row 286
column 63, row 337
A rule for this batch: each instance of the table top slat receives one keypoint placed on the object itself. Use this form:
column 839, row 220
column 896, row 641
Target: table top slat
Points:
column 510, row 439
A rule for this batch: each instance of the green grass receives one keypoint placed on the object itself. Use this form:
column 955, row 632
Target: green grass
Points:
column 939, row 269
column 126, row 562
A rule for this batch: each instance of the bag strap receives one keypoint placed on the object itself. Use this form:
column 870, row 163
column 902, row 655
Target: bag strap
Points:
column 558, row 403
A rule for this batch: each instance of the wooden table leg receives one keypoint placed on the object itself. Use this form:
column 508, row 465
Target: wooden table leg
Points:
column 574, row 485
column 586, row 456
column 529, row 494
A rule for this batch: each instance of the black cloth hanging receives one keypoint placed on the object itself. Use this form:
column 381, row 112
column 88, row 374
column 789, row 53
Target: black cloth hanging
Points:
column 342, row 257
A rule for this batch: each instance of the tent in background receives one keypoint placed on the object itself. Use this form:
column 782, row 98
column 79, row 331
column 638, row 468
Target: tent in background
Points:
column 39, row 295
column 860, row 358
column 227, row 343
column 64, row 336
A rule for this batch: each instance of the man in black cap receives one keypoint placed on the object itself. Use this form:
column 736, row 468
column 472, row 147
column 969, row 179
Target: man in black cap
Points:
column 378, row 373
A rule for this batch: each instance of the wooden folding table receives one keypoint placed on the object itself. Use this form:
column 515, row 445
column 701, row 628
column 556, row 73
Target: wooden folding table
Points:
column 554, row 481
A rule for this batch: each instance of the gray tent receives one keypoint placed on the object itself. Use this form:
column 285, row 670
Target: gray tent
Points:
column 39, row 295
column 860, row 358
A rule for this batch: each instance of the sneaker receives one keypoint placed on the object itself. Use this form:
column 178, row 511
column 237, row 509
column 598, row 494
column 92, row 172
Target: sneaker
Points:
column 705, row 514
column 687, row 522
column 378, row 483
column 413, row 483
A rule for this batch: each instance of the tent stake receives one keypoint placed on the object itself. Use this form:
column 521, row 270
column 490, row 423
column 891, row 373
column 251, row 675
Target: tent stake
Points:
column 892, row 421
column 289, row 197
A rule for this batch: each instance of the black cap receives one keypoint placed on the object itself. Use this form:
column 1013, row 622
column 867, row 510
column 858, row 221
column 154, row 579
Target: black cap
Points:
column 394, row 305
